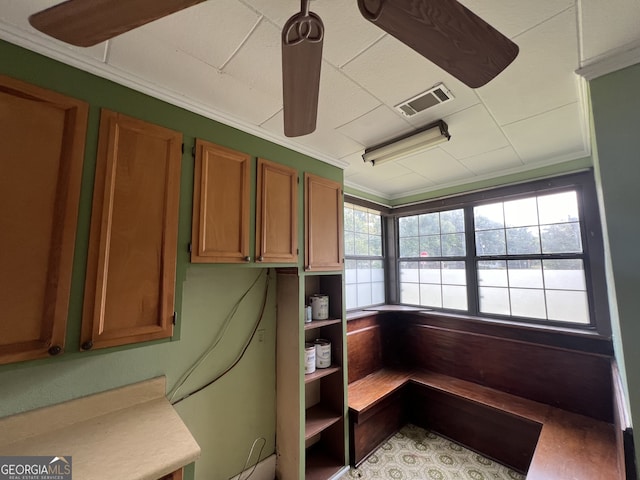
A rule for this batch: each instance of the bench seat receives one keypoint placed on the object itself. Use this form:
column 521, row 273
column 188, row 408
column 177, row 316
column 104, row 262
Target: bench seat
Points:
column 561, row 445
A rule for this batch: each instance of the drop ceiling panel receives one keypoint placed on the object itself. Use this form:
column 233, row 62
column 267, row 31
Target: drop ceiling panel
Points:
column 257, row 63
column 277, row 12
column 359, row 169
column 496, row 161
column 608, row 25
column 405, row 185
column 377, row 126
column 473, row 131
column 436, row 165
column 541, row 77
column 513, row 18
column 210, row 31
column 550, row 135
column 393, row 72
column 144, row 56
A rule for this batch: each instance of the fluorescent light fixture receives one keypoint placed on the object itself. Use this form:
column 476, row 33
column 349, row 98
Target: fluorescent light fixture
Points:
column 427, row 137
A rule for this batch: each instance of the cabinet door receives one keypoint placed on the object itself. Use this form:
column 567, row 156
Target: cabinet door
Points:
column 221, row 194
column 323, row 224
column 42, row 137
column 276, row 213
column 129, row 289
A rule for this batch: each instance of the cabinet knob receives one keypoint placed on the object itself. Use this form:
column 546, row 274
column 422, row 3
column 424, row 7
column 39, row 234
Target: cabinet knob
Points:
column 88, row 345
column 260, row 258
column 55, row 350
column 247, row 259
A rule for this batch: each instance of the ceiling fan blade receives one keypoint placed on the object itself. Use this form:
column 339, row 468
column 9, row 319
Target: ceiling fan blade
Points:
column 447, row 33
column 302, row 39
column 87, row 22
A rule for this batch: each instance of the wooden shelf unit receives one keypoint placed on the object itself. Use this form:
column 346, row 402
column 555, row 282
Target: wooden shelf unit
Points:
column 320, row 372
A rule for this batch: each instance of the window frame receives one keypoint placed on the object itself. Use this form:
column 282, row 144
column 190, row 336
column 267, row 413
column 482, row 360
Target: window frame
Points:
column 591, row 236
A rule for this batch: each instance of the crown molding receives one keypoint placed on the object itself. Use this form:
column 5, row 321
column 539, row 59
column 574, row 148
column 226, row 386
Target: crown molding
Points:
column 611, row 61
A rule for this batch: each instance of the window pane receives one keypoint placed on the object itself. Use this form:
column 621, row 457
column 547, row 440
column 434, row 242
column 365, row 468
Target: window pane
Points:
column 568, row 306
column 493, row 274
column 564, row 274
column 348, row 218
column 452, row 221
column 409, row 247
column 521, row 241
column 488, row 217
column 377, row 293
column 408, row 226
column 349, row 243
column 490, row 242
column 375, row 246
column 453, row 245
column 430, row 272
column 409, row 272
column 558, row 208
column 528, row 303
column 361, row 220
column 377, row 271
column 363, row 271
column 429, row 224
column 494, row 300
column 454, row 297
column 364, row 294
column 525, row 273
column 375, row 224
column 454, row 273
column 561, row 238
column 431, row 295
column 430, row 246
column 361, row 244
column 410, row 293
column 351, row 296
column 350, row 274
column 521, row 213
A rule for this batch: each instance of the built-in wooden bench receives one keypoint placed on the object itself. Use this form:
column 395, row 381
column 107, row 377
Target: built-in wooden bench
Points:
column 545, row 440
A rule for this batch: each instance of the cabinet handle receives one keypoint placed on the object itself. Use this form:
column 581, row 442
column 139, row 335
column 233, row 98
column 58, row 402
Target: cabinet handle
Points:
column 260, row 258
column 88, row 345
column 55, row 350
column 247, row 259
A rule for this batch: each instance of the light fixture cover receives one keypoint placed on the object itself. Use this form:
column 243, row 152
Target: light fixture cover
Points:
column 427, row 137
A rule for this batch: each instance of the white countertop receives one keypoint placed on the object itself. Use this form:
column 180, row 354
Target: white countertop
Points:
column 130, row 433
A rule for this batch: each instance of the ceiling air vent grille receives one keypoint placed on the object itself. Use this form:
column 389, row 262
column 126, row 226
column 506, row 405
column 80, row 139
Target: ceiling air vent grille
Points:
column 435, row 96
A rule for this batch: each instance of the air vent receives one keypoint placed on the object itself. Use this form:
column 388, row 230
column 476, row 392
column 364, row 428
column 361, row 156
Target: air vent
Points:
column 435, row 96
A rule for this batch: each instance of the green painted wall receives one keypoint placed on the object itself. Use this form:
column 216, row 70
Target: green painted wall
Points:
column 616, row 121
column 227, row 417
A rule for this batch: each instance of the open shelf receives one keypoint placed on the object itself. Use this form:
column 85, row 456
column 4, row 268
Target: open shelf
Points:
column 319, row 418
column 320, row 372
column 320, row 465
column 321, row 323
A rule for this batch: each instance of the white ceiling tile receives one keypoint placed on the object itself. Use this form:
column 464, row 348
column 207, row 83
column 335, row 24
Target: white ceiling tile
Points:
column 513, row 18
column 277, row 12
column 552, row 134
column 496, row 161
column 143, row 56
column 608, row 26
column 541, row 77
column 404, row 185
column 257, row 63
column 209, row 31
column 347, row 33
column 361, row 169
column 473, row 131
column 341, row 100
column 376, row 126
column 394, row 73
column 436, row 165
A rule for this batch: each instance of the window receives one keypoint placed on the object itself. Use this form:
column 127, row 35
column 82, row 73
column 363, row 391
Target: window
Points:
column 364, row 261
column 529, row 253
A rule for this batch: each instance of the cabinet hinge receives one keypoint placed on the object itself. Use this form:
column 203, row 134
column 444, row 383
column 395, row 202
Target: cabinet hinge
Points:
column 175, row 318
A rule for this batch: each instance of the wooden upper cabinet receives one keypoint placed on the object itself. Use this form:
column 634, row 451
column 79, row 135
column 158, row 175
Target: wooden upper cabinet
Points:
column 42, row 136
column 276, row 213
column 221, row 196
column 130, row 283
column 323, row 203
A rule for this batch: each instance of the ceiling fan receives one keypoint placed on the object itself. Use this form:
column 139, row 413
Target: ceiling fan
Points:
column 443, row 31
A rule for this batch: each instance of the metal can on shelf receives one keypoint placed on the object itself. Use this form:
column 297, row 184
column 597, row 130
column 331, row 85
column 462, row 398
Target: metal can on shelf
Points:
column 307, row 314
column 323, row 352
column 309, row 358
column 319, row 306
